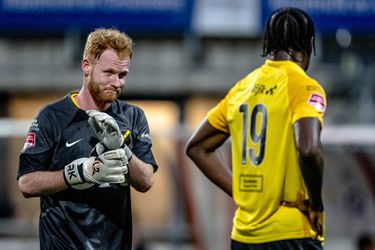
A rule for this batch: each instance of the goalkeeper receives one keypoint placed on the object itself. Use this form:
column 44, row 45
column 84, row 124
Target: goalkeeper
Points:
column 83, row 152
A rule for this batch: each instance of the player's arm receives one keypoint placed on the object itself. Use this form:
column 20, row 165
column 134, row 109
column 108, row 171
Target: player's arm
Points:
column 41, row 183
column 307, row 136
column 106, row 129
column 81, row 173
column 141, row 174
column 202, row 149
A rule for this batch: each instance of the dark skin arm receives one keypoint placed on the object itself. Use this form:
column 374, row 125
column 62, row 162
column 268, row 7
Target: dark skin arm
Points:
column 202, row 149
column 310, row 156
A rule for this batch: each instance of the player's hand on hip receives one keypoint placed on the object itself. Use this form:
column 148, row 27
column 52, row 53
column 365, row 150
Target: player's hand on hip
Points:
column 316, row 221
column 109, row 167
column 105, row 129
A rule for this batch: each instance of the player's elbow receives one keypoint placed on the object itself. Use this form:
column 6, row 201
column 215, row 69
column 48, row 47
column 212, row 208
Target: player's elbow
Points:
column 196, row 153
column 309, row 151
column 25, row 187
column 147, row 182
column 187, row 148
column 191, row 150
column 191, row 153
column 309, row 154
column 145, row 186
column 188, row 151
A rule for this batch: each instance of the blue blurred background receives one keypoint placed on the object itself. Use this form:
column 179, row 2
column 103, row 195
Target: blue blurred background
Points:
column 187, row 54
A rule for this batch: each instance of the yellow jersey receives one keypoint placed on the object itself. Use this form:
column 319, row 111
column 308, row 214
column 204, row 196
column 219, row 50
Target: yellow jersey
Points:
column 259, row 112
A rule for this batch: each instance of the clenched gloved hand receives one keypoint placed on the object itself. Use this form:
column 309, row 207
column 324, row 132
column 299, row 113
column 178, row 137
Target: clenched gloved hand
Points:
column 108, row 167
column 108, row 132
column 105, row 129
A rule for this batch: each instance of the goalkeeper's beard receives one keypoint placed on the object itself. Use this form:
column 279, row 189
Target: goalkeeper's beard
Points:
column 102, row 95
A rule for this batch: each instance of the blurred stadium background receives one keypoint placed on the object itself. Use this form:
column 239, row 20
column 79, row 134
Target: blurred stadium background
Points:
column 188, row 53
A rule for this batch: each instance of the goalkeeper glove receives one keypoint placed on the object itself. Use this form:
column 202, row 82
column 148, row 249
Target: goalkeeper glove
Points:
column 105, row 129
column 100, row 148
column 109, row 167
column 108, row 132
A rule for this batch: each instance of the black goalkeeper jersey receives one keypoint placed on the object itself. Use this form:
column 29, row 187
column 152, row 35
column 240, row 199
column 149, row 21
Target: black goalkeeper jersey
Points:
column 95, row 218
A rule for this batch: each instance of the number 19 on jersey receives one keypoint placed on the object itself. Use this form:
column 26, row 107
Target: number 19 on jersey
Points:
column 258, row 132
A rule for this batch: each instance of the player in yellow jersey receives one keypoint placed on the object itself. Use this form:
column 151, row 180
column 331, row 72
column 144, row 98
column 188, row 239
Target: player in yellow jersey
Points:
column 274, row 117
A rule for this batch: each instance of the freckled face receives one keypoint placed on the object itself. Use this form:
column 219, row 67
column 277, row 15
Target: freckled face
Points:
column 108, row 77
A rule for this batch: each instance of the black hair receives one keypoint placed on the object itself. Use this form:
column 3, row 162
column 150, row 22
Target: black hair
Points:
column 289, row 29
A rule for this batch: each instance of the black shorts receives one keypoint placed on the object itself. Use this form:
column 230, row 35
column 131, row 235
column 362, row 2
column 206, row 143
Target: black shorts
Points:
column 294, row 244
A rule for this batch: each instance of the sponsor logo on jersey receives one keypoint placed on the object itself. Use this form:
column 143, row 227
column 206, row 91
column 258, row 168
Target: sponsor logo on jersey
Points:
column 95, row 169
column 317, row 101
column 312, row 88
column 30, row 141
column 69, row 144
column 71, row 170
column 260, row 89
column 34, row 126
column 146, row 135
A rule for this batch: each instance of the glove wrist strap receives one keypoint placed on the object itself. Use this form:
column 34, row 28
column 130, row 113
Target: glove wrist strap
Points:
column 73, row 173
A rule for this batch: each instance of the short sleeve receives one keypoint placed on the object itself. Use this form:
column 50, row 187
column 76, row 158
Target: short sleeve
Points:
column 38, row 147
column 142, row 144
column 308, row 100
column 217, row 115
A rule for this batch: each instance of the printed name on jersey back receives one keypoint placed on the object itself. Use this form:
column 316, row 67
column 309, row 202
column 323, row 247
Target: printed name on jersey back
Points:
column 317, row 101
